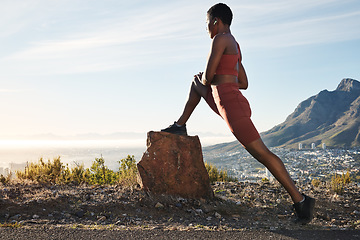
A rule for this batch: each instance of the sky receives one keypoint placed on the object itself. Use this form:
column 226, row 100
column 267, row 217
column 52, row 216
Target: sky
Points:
column 71, row 67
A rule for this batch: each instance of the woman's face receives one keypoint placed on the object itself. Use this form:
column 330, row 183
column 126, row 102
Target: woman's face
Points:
column 211, row 27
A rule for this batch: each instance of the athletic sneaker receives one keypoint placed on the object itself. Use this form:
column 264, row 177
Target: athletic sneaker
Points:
column 175, row 129
column 304, row 210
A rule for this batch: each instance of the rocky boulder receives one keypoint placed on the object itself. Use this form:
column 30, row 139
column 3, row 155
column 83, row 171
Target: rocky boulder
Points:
column 173, row 164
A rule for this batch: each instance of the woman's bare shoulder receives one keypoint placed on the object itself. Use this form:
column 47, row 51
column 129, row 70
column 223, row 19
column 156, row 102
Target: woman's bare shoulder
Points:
column 228, row 42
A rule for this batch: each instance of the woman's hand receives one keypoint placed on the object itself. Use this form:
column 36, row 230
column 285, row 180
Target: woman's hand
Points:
column 199, row 77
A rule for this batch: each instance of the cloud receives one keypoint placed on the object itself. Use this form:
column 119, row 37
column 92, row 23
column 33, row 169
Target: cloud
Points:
column 73, row 40
column 115, row 42
column 314, row 30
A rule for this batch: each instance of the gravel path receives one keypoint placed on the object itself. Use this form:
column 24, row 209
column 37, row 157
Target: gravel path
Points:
column 73, row 234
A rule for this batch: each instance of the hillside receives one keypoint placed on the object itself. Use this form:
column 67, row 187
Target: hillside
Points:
column 238, row 206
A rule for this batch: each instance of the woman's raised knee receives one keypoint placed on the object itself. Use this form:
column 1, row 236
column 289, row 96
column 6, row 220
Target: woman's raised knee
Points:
column 197, row 86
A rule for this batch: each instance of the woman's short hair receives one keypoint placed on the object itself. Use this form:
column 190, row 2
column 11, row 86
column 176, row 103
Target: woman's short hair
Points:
column 221, row 11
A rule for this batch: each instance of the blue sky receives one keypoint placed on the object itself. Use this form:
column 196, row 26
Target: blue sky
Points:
column 73, row 67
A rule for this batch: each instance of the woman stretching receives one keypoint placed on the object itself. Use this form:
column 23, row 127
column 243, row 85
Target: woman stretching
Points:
column 219, row 85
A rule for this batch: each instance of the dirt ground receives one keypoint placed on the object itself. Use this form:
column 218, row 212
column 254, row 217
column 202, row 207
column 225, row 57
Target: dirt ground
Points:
column 237, row 206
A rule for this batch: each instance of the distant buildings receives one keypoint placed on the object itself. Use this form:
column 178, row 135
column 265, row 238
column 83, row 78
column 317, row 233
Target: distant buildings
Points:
column 313, row 146
column 12, row 168
column 302, row 165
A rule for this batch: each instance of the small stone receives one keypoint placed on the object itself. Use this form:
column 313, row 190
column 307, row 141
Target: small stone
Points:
column 159, row 205
column 199, row 211
column 15, row 217
column 209, row 218
column 35, row 216
column 80, row 213
column 179, row 205
column 189, row 210
column 217, row 215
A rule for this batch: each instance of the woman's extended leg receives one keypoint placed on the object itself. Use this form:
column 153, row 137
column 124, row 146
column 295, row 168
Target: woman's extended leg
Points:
column 272, row 162
column 303, row 205
column 197, row 90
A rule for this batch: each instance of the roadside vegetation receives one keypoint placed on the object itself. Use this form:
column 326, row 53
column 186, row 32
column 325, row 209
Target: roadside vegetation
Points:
column 55, row 172
column 336, row 183
column 339, row 181
column 217, row 175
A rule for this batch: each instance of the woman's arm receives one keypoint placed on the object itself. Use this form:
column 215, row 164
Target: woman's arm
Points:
column 242, row 78
column 217, row 49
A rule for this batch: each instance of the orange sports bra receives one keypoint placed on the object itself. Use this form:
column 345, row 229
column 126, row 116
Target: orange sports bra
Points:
column 228, row 63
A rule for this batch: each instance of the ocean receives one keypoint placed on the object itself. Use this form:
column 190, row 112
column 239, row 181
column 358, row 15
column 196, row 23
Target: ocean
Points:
column 15, row 154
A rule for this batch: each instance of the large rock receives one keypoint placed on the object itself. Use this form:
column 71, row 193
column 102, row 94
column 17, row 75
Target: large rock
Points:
column 173, row 164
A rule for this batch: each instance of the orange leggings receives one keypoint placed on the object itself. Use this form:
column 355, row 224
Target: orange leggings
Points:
column 227, row 101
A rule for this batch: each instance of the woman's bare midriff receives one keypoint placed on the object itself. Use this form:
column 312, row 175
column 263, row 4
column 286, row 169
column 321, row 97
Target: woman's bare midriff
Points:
column 220, row 79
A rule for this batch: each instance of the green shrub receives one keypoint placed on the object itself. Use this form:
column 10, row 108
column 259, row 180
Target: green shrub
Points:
column 216, row 175
column 100, row 174
column 338, row 182
column 43, row 172
column 54, row 172
column 75, row 175
column 5, row 179
column 315, row 182
column 128, row 171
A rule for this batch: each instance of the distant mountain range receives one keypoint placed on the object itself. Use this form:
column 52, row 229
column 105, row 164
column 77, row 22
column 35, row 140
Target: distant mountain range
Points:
column 97, row 136
column 85, row 136
column 330, row 117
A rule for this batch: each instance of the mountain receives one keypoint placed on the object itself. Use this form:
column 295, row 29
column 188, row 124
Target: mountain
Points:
column 330, row 117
